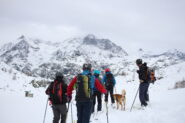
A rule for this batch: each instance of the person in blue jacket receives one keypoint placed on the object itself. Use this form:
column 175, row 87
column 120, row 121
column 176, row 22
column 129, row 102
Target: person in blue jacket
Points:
column 97, row 94
column 109, row 82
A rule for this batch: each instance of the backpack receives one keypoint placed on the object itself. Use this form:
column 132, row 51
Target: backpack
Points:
column 83, row 90
column 58, row 93
column 109, row 81
column 151, row 75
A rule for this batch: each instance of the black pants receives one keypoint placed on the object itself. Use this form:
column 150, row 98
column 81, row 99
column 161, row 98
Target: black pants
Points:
column 84, row 111
column 97, row 95
column 59, row 111
column 109, row 90
column 143, row 93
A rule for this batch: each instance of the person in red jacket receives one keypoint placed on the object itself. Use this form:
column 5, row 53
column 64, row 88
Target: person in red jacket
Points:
column 84, row 84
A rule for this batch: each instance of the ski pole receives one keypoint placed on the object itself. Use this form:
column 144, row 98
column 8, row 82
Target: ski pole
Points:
column 67, row 110
column 71, row 113
column 45, row 111
column 107, row 113
column 68, row 106
column 134, row 99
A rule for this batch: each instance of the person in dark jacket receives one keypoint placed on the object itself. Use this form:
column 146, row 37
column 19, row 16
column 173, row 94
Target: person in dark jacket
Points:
column 109, row 82
column 144, row 84
column 97, row 94
column 84, row 100
column 57, row 92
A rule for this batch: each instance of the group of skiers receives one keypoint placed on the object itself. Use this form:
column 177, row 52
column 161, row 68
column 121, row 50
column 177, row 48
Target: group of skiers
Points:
column 89, row 86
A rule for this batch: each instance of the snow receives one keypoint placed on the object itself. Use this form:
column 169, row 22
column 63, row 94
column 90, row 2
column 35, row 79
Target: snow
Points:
column 166, row 104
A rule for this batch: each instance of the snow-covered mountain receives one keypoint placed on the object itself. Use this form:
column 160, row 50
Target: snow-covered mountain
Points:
column 38, row 58
column 41, row 58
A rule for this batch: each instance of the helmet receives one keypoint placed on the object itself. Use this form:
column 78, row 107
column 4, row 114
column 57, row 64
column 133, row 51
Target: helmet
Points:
column 96, row 72
column 107, row 70
column 87, row 66
column 139, row 61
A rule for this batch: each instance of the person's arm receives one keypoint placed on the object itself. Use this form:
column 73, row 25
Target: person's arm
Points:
column 49, row 89
column 99, row 86
column 71, row 85
column 114, row 81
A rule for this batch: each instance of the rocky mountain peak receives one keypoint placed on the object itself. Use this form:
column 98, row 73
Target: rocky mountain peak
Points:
column 104, row 44
column 22, row 37
column 22, row 44
column 90, row 39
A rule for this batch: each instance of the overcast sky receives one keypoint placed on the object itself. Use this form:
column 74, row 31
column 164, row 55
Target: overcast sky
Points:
column 151, row 24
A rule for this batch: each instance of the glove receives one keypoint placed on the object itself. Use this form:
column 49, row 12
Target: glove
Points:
column 141, row 81
column 69, row 98
column 50, row 102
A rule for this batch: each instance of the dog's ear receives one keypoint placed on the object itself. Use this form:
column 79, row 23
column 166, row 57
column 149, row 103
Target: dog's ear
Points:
column 123, row 92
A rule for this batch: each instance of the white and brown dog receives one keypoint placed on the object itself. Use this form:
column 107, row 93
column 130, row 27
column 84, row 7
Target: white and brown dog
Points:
column 120, row 99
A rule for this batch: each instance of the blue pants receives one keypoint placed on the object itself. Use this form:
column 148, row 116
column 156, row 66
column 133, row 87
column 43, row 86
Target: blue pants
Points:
column 143, row 93
column 84, row 111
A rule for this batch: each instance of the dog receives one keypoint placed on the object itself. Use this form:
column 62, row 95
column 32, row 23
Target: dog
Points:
column 120, row 99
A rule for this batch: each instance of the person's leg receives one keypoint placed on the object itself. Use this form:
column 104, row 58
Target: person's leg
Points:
column 147, row 92
column 99, row 101
column 86, row 111
column 142, row 90
column 79, row 106
column 56, row 113
column 111, row 95
column 63, row 111
column 106, row 96
column 94, row 101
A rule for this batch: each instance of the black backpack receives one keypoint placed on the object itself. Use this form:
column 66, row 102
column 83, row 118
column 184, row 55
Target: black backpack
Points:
column 57, row 92
column 83, row 90
column 109, row 81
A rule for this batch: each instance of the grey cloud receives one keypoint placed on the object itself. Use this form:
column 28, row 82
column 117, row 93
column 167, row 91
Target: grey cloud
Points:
column 149, row 24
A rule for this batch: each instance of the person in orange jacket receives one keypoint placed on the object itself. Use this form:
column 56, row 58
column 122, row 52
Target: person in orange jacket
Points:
column 84, row 83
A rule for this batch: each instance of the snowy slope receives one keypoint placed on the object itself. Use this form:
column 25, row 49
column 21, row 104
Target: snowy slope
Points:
column 165, row 105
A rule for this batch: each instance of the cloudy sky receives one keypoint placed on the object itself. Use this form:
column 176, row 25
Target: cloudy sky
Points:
column 157, row 25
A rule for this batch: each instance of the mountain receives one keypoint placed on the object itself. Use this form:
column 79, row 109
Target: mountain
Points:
column 38, row 58
column 165, row 59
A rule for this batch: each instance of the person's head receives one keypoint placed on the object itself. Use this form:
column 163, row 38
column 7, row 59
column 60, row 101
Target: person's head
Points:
column 96, row 73
column 107, row 70
column 139, row 62
column 87, row 67
column 59, row 77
